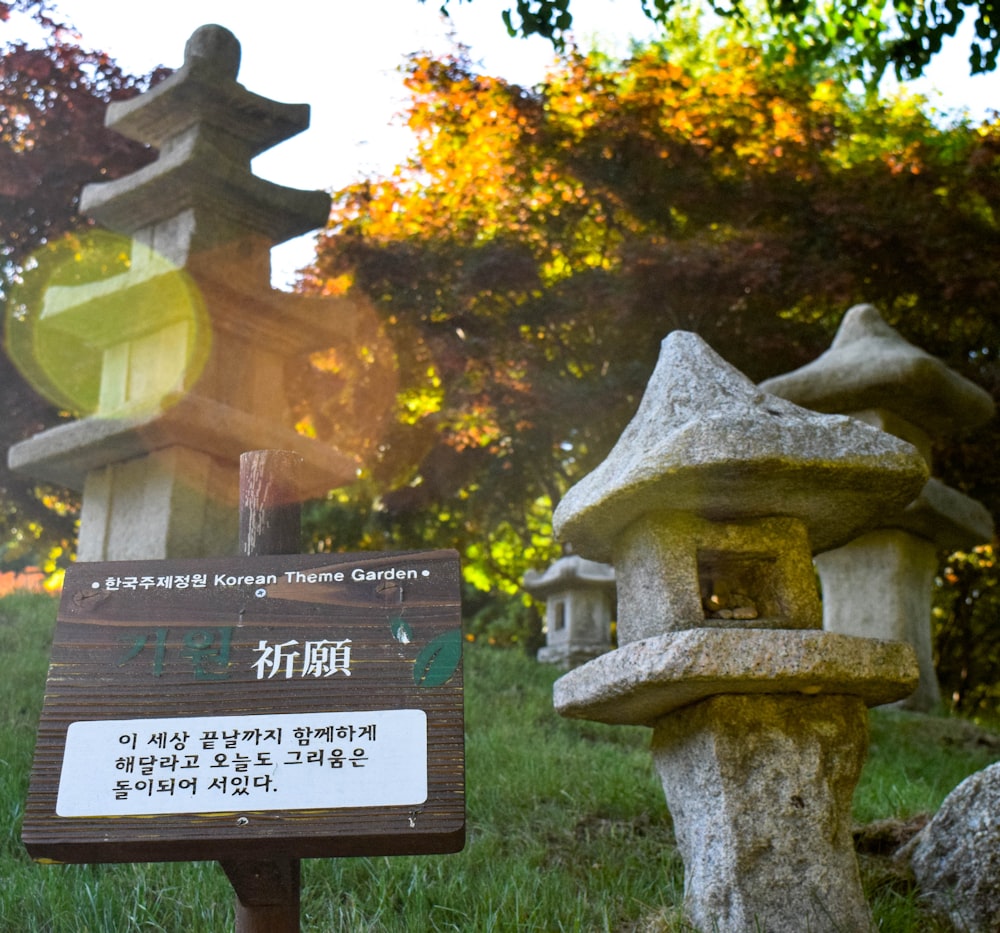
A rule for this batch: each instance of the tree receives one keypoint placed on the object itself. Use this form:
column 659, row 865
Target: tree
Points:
column 868, row 37
column 530, row 257
column 966, row 640
column 52, row 143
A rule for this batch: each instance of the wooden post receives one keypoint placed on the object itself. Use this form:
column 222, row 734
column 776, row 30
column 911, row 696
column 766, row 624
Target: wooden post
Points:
column 267, row 891
column 270, row 503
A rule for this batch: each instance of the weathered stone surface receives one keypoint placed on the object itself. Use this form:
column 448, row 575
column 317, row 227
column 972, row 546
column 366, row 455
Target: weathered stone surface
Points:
column 570, row 571
column 712, row 503
column 191, row 342
column 946, row 517
column 642, row 682
column 143, row 508
column 956, row 857
column 706, row 440
column 673, row 568
column 760, row 789
column 870, row 366
column 207, row 127
column 891, row 423
column 66, row 454
column 880, row 585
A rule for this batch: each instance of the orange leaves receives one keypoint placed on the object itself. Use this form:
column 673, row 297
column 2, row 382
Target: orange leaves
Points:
column 468, row 129
column 475, row 428
column 539, row 243
column 669, row 143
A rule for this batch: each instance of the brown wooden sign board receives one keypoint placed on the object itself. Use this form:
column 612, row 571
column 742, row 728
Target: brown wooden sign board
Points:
column 295, row 706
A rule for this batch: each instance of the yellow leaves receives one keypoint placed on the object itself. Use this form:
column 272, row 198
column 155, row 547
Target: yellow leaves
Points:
column 306, row 427
column 546, row 167
column 824, row 94
column 418, row 402
column 338, row 285
column 57, row 503
column 326, row 361
column 498, row 559
column 476, row 427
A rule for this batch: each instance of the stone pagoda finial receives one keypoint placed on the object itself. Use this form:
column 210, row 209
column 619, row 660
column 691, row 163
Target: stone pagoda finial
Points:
column 190, row 340
column 200, row 194
column 710, row 506
column 880, row 585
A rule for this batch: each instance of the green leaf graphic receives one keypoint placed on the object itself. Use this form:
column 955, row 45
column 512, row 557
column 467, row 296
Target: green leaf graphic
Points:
column 438, row 660
column 401, row 631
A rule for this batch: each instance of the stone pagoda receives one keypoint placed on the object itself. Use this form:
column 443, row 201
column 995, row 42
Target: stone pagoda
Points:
column 710, row 507
column 191, row 340
column 880, row 584
column 579, row 599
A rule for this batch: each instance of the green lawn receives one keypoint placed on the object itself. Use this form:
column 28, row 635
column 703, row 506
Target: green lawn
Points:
column 567, row 830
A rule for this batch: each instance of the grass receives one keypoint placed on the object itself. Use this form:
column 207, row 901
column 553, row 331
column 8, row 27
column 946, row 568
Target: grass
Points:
column 568, row 829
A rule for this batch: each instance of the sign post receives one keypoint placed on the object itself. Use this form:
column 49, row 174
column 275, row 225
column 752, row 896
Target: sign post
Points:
column 286, row 705
column 268, row 891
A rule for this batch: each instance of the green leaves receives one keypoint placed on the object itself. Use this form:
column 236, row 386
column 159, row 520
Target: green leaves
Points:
column 439, row 659
column 548, row 18
column 864, row 36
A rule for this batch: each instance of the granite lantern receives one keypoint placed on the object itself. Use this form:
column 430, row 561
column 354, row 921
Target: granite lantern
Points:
column 881, row 583
column 710, row 507
column 579, row 599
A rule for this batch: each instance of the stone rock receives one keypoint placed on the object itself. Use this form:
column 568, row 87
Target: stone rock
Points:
column 706, row 440
column 207, row 127
column 191, row 343
column 956, row 857
column 870, row 366
column 641, row 682
column 880, row 586
column 760, row 789
column 669, row 563
column 570, row 572
column 946, row 517
column 880, row 583
column 711, row 504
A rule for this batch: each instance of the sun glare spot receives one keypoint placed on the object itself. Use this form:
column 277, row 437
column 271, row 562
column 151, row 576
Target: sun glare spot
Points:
column 101, row 325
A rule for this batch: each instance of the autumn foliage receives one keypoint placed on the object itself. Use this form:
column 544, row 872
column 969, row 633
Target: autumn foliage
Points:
column 528, row 259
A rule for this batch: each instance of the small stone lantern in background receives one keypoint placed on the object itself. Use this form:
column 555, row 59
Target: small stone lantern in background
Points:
column 579, row 599
column 710, row 507
column 880, row 584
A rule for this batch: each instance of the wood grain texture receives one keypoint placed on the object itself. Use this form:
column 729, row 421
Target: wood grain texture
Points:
column 93, row 677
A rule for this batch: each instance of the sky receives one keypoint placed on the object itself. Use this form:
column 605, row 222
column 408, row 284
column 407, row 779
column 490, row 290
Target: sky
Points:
column 342, row 57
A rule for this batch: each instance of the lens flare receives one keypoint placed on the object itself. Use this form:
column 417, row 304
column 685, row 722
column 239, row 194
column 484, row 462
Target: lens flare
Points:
column 100, row 324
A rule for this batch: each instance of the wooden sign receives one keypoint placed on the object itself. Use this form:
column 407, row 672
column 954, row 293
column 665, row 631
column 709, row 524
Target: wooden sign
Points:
column 290, row 706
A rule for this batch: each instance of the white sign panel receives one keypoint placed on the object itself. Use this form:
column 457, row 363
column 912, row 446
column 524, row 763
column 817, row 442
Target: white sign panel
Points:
column 224, row 764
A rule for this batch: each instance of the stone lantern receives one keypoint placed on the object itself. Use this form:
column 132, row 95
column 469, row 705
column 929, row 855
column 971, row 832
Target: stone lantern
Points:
column 579, row 599
column 881, row 584
column 710, row 507
column 190, row 340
